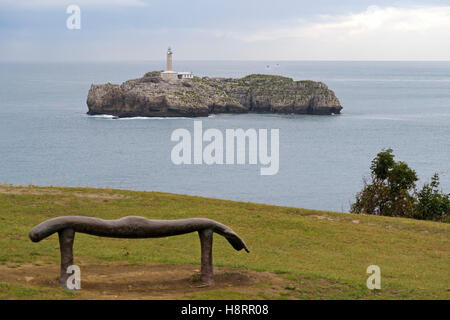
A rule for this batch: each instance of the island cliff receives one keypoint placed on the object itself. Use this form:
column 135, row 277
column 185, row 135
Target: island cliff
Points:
column 151, row 96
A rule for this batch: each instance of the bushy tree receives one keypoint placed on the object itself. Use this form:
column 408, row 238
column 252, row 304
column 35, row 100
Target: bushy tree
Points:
column 392, row 192
column 432, row 203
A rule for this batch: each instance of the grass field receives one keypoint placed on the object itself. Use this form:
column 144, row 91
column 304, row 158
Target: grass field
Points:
column 295, row 253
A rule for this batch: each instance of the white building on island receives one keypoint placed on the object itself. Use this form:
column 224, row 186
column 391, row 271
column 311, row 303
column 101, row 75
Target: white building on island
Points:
column 169, row 74
column 185, row 75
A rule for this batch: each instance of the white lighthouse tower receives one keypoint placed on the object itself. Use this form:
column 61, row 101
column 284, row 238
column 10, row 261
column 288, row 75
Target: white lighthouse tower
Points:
column 169, row 60
column 169, row 74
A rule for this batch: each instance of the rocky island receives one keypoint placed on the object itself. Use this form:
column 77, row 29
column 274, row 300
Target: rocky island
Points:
column 155, row 96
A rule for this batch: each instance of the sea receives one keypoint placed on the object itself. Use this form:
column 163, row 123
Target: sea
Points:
column 47, row 139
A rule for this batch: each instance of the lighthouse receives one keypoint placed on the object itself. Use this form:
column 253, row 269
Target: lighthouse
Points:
column 169, row 74
column 169, row 60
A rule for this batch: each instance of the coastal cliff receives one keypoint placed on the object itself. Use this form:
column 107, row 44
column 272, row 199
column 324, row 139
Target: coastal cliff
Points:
column 151, row 96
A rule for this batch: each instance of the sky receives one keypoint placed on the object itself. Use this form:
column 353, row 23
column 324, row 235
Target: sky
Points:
column 124, row 30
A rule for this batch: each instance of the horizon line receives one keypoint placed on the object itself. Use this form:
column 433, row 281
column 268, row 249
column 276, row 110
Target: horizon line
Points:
column 212, row 60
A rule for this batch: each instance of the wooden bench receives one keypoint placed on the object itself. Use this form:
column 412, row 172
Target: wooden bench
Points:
column 134, row 227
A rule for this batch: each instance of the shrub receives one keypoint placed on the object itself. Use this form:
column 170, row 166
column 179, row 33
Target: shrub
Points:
column 432, row 204
column 392, row 192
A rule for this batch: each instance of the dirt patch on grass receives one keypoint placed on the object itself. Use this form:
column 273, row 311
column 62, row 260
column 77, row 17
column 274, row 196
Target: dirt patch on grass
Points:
column 151, row 281
column 323, row 217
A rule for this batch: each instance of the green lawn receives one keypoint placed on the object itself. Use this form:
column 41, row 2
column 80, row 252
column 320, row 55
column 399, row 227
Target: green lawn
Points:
column 326, row 251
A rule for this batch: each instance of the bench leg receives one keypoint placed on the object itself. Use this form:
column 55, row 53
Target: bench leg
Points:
column 206, row 242
column 66, row 238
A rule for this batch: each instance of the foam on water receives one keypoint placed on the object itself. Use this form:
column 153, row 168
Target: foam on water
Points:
column 111, row 117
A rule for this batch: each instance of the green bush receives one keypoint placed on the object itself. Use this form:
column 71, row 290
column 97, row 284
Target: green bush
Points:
column 392, row 192
column 432, row 204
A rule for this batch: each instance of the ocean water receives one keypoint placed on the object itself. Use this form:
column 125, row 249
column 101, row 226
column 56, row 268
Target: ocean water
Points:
column 47, row 139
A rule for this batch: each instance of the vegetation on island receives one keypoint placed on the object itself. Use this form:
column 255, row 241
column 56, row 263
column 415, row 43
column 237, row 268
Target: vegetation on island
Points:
column 392, row 191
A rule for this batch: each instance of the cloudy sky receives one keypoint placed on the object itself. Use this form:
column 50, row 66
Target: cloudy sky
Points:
column 226, row 30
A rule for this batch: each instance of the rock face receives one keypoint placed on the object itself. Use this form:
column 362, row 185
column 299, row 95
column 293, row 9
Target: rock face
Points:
column 151, row 96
